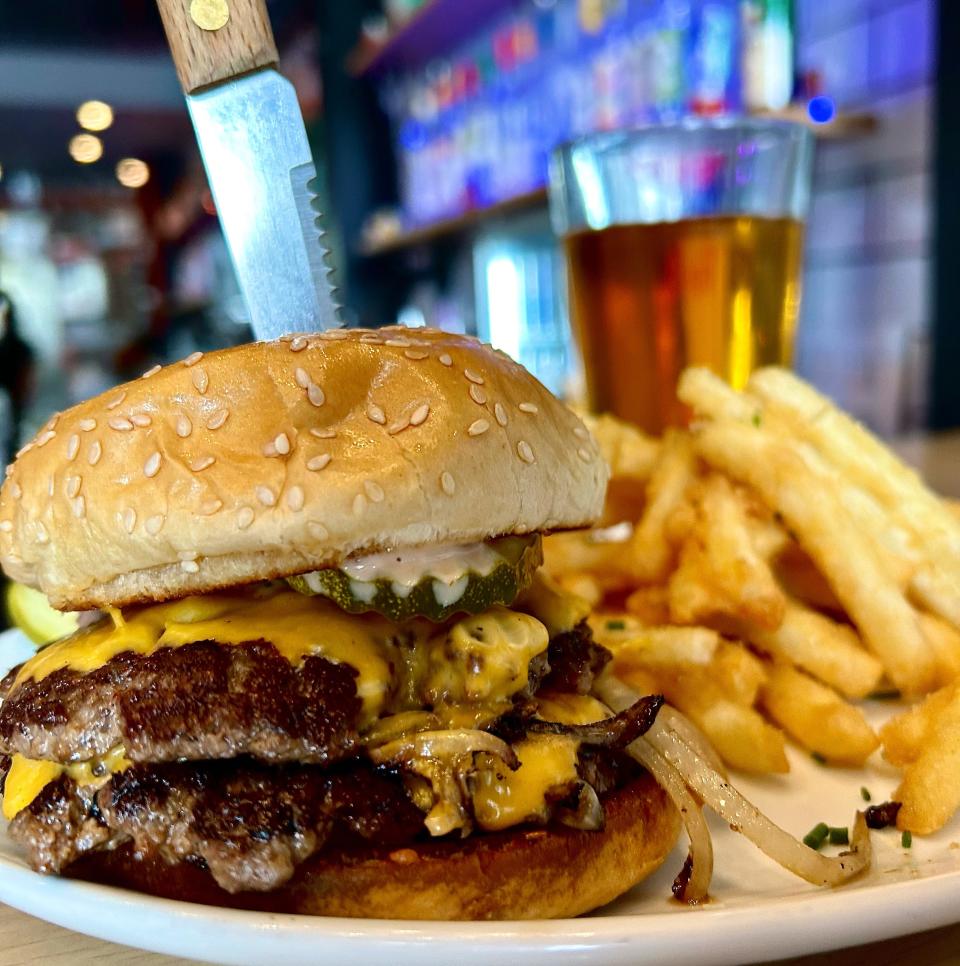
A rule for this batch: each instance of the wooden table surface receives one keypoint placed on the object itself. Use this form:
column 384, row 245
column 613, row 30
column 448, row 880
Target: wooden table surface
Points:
column 24, row 939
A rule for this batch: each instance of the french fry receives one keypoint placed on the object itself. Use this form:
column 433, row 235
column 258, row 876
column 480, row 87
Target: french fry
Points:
column 629, row 452
column 905, row 736
column 930, row 790
column 658, row 647
column 720, row 573
column 843, row 553
column 820, row 646
column 799, row 577
column 582, row 585
column 708, row 395
column 945, row 641
column 650, row 553
column 739, row 673
column 817, row 717
column 650, row 605
column 740, row 735
column 865, row 461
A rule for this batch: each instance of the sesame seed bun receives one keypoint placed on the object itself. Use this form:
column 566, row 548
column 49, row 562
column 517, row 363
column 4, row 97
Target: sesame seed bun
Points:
column 276, row 458
column 522, row 873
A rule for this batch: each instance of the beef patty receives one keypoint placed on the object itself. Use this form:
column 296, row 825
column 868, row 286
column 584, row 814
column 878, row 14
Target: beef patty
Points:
column 207, row 700
column 251, row 825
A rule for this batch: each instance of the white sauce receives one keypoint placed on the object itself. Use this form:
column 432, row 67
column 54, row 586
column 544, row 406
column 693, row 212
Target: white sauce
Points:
column 405, row 568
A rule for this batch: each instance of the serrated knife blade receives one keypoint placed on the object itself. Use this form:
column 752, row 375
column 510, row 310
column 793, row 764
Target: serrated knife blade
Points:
column 259, row 166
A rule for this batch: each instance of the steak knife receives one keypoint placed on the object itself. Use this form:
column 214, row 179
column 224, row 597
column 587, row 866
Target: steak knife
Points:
column 257, row 158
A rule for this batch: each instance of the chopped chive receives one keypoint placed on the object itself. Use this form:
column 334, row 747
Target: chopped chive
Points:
column 818, row 758
column 839, row 836
column 757, row 419
column 815, row 838
column 616, row 625
column 906, row 840
column 865, row 793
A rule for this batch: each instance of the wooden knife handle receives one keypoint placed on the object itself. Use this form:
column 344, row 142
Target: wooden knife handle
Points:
column 205, row 57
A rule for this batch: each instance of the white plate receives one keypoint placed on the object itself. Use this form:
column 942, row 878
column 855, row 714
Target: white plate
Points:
column 758, row 911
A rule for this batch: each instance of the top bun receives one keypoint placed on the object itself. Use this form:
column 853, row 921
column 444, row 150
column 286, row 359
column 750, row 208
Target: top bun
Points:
column 275, row 458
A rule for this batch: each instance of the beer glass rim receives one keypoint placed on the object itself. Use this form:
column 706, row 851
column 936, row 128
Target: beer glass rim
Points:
column 601, row 140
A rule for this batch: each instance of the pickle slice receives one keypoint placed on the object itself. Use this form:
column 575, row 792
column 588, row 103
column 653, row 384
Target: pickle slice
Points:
column 30, row 610
column 434, row 599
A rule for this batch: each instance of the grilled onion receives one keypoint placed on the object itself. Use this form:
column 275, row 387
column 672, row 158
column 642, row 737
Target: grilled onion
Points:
column 443, row 745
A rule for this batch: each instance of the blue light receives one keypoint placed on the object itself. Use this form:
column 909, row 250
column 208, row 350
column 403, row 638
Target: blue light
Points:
column 821, row 109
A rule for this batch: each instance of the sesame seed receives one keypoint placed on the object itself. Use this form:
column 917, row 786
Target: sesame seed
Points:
column 42, row 535
column 72, row 487
column 318, row 462
column 298, row 344
column 419, row 415
column 266, row 496
column 152, row 465
column 302, row 377
column 152, row 371
column 525, row 451
column 282, row 444
column 477, row 394
column 94, row 453
column 500, row 413
column 79, row 506
column 447, row 483
column 15, row 490
column 184, row 427
column 478, row 427
column 201, row 380
column 120, row 424
column 399, row 426
column 526, row 407
column 398, row 343
column 210, row 506
column 245, row 517
column 192, row 359
column 375, row 413
column 73, row 447
column 295, row 498
column 52, row 421
column 334, row 335
column 50, row 485
column 154, row 524
column 416, row 354
column 87, row 425
column 371, row 338
column 45, row 438
column 190, row 566
column 201, row 463
column 24, row 449
column 584, row 454
column 359, row 504
column 316, row 395
column 317, row 530
column 474, row 377
column 218, row 419
column 374, row 491
column 6, row 526
column 269, row 449
column 129, row 519
column 445, row 359
column 119, row 398
column 323, row 433
column 581, row 432
column 140, row 419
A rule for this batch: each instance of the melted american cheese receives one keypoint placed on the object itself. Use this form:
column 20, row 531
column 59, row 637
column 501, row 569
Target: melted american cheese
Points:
column 27, row 778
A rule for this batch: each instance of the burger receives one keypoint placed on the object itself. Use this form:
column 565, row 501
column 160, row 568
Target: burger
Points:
column 323, row 673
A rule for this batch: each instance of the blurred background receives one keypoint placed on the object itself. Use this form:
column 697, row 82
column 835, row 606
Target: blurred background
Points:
column 432, row 122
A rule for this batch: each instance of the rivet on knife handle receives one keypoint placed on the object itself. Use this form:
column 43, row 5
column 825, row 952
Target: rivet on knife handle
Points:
column 204, row 57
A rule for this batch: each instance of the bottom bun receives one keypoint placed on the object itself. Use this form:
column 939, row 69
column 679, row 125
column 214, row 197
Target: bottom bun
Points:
column 530, row 874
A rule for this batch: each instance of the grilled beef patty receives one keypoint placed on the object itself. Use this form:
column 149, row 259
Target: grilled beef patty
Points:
column 208, row 700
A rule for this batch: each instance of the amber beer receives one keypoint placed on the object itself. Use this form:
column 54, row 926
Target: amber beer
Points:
column 648, row 300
